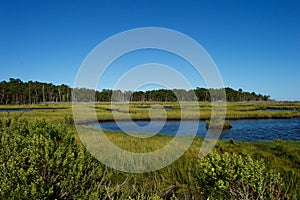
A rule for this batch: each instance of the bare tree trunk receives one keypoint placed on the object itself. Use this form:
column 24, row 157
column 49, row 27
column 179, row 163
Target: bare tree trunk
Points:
column 29, row 97
column 59, row 94
column 43, row 94
column 36, row 96
column 67, row 95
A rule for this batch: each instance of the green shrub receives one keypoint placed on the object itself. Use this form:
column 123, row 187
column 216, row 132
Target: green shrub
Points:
column 41, row 161
column 234, row 176
column 69, row 120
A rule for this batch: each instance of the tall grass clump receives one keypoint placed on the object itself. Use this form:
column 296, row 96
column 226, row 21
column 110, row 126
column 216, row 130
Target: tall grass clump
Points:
column 218, row 124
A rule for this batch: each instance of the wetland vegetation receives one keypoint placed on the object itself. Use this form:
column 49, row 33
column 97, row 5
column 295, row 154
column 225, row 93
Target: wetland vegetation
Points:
column 43, row 157
column 140, row 110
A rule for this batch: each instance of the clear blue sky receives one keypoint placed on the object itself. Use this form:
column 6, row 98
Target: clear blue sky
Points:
column 255, row 44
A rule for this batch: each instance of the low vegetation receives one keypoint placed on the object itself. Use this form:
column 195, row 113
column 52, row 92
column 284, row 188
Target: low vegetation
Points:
column 43, row 160
column 42, row 157
column 218, row 124
column 140, row 110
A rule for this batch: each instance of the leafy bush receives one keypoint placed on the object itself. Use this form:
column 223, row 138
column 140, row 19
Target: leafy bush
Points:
column 234, row 176
column 69, row 120
column 41, row 160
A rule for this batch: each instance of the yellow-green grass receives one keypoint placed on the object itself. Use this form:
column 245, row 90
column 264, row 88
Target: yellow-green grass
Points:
column 219, row 124
column 146, row 110
column 50, row 112
column 278, row 155
column 281, row 154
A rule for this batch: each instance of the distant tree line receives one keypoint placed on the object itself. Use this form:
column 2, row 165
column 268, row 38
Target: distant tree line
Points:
column 16, row 91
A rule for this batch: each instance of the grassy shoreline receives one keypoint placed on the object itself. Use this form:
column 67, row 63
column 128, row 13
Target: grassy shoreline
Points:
column 279, row 156
column 140, row 111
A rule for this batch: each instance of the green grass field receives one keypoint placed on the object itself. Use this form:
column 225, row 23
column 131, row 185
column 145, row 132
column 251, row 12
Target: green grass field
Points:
column 46, row 159
column 139, row 110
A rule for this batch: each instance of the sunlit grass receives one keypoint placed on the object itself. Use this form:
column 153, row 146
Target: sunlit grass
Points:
column 278, row 155
column 146, row 110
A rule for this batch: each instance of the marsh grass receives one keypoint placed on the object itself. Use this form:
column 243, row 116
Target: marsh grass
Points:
column 218, row 124
column 136, row 144
column 142, row 110
column 179, row 178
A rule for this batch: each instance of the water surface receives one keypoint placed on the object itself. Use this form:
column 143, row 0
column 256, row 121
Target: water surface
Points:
column 243, row 130
column 16, row 110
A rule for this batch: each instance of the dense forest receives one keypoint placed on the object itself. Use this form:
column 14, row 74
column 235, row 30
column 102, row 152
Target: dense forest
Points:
column 16, row 91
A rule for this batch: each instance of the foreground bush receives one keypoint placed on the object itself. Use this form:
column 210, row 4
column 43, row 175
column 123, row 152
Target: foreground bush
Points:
column 41, row 160
column 234, row 176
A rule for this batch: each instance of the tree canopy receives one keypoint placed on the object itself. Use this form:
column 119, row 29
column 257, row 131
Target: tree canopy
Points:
column 16, row 91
